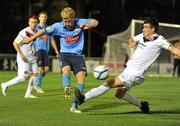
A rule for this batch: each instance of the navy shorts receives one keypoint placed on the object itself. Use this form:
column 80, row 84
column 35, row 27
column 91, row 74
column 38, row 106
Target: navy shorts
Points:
column 76, row 62
column 42, row 58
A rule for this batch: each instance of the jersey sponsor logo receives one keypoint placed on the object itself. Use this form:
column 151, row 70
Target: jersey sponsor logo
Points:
column 70, row 40
column 77, row 30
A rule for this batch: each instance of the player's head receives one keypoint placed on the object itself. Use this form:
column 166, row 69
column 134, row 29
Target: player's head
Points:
column 33, row 21
column 43, row 17
column 150, row 27
column 68, row 15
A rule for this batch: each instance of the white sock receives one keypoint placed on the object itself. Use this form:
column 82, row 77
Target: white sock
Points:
column 31, row 84
column 14, row 81
column 96, row 91
column 131, row 99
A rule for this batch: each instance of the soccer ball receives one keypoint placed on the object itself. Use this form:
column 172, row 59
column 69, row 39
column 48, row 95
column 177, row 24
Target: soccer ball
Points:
column 101, row 72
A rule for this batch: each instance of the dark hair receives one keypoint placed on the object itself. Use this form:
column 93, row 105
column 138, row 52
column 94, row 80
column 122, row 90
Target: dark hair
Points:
column 153, row 23
column 34, row 17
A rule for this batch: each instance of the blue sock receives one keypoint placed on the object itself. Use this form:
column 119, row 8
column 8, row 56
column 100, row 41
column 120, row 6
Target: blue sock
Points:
column 74, row 105
column 80, row 86
column 39, row 79
column 66, row 80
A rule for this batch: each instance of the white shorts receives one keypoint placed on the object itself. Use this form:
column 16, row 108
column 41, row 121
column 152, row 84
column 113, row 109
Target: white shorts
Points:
column 130, row 79
column 24, row 69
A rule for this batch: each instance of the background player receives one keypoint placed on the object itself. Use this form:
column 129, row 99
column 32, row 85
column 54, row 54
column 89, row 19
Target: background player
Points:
column 26, row 59
column 42, row 48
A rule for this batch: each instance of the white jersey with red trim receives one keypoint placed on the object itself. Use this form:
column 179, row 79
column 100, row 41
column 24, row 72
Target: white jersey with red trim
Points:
column 146, row 53
column 27, row 49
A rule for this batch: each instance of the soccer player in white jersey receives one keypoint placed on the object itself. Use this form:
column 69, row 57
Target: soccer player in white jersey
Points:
column 26, row 59
column 149, row 45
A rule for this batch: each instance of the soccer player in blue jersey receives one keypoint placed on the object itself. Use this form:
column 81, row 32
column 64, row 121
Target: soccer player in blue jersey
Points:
column 42, row 44
column 71, row 32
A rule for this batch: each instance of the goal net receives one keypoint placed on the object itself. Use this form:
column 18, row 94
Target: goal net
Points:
column 116, row 48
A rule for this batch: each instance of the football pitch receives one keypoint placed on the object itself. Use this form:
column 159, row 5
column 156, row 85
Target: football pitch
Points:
column 51, row 109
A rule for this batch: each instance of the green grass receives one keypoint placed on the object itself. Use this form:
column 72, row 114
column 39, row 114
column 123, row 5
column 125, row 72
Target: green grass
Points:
column 51, row 109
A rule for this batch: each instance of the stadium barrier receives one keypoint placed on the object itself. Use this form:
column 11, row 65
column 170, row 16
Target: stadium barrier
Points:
column 8, row 62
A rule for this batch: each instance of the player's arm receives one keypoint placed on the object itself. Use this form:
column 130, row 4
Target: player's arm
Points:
column 18, row 50
column 174, row 50
column 93, row 24
column 54, row 45
column 30, row 39
column 131, row 43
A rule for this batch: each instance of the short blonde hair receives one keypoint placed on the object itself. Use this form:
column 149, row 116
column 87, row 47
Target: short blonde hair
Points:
column 67, row 13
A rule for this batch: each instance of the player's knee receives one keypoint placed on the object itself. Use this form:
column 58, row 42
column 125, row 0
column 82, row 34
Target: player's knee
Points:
column 118, row 94
column 26, row 75
column 110, row 82
column 35, row 74
column 46, row 69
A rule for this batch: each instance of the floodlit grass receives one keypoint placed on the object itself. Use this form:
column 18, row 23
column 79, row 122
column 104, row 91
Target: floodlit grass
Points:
column 51, row 109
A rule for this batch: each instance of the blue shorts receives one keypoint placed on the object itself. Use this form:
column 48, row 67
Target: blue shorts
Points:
column 42, row 58
column 76, row 62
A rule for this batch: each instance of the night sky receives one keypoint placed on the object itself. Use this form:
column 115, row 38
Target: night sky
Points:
column 113, row 15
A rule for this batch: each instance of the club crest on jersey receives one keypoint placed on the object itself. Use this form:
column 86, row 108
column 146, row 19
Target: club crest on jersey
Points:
column 77, row 30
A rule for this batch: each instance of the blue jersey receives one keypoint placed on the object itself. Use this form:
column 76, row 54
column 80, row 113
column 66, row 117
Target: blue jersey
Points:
column 71, row 40
column 43, row 42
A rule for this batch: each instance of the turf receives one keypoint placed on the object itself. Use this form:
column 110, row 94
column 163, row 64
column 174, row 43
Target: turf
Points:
column 51, row 109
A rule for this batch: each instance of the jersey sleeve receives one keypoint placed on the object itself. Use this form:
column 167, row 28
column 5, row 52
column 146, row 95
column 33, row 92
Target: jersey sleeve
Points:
column 137, row 38
column 20, row 37
column 164, row 43
column 83, row 21
column 51, row 30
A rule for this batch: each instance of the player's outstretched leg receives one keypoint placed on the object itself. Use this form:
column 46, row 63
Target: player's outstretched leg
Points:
column 74, row 107
column 144, row 107
column 4, row 89
column 78, row 90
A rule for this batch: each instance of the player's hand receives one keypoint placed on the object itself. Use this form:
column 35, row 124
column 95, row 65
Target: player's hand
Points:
column 57, row 54
column 23, row 58
column 85, row 26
